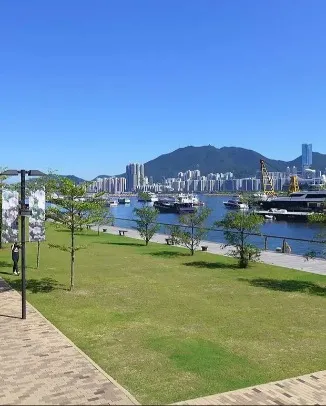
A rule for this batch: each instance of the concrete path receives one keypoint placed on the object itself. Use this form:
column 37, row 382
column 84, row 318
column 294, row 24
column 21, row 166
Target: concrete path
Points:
column 40, row 366
column 298, row 262
column 302, row 390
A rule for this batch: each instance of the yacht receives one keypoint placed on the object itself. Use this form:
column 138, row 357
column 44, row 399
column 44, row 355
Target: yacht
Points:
column 151, row 198
column 189, row 198
column 260, row 196
column 236, row 203
column 170, row 206
column 112, row 203
column 297, row 201
column 124, row 200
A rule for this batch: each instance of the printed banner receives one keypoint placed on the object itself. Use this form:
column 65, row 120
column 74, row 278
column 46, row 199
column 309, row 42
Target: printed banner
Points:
column 37, row 219
column 10, row 208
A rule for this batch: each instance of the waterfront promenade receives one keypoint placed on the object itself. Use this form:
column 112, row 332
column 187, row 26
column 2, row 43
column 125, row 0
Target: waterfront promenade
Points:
column 293, row 261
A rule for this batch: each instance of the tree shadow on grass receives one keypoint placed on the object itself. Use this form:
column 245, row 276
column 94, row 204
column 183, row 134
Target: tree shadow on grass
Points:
column 287, row 285
column 210, row 265
column 5, row 264
column 127, row 244
column 168, row 254
column 44, row 285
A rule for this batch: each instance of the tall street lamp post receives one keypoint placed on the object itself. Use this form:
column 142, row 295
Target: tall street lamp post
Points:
column 24, row 211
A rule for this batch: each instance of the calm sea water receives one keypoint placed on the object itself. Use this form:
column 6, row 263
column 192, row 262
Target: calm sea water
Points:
column 215, row 203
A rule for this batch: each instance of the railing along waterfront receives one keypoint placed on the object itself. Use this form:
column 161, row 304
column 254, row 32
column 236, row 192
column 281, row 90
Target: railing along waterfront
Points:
column 298, row 246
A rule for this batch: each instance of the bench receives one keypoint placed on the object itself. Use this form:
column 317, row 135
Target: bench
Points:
column 105, row 230
column 88, row 227
column 122, row 232
column 204, row 247
column 169, row 241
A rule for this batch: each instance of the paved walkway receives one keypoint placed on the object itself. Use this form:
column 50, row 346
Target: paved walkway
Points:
column 298, row 262
column 39, row 365
column 303, row 390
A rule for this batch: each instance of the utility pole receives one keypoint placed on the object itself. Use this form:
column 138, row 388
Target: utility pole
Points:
column 23, row 238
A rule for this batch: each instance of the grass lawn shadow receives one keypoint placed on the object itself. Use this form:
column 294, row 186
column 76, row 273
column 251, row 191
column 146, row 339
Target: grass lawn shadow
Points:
column 126, row 244
column 168, row 254
column 287, row 285
column 6, row 273
column 211, row 265
column 44, row 285
column 5, row 264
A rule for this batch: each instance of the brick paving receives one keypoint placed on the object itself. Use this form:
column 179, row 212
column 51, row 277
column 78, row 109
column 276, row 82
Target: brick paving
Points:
column 39, row 365
column 303, row 390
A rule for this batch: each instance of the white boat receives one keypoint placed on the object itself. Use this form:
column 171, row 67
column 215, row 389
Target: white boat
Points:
column 189, row 198
column 236, row 203
column 260, row 196
column 113, row 203
column 151, row 197
column 124, row 200
column 269, row 217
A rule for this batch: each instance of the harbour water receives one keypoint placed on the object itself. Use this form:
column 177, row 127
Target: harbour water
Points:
column 301, row 230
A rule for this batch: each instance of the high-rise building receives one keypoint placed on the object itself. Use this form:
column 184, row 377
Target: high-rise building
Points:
column 135, row 175
column 142, row 175
column 306, row 156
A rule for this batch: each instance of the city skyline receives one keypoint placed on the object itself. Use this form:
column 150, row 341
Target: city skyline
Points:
column 137, row 170
column 194, row 181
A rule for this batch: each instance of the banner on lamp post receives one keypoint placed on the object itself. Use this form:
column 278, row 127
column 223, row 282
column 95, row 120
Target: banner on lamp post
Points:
column 10, row 211
column 37, row 218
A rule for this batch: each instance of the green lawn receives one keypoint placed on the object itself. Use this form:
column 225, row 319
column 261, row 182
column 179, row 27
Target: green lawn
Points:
column 170, row 327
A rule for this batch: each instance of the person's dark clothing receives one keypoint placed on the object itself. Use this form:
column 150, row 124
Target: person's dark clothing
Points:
column 15, row 257
column 15, row 268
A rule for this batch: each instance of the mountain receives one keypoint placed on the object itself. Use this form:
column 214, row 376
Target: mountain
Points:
column 74, row 178
column 102, row 176
column 208, row 159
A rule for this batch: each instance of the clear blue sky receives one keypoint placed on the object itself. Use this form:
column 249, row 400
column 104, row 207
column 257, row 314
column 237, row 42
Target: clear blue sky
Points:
column 88, row 86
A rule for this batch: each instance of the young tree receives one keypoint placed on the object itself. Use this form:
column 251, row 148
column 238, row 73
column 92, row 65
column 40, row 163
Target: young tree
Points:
column 102, row 216
column 72, row 211
column 174, row 231
column 146, row 222
column 318, row 218
column 237, row 228
column 191, row 230
column 144, row 197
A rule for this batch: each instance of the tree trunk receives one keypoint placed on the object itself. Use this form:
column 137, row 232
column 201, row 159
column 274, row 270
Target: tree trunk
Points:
column 192, row 240
column 98, row 230
column 242, row 248
column 38, row 255
column 72, row 263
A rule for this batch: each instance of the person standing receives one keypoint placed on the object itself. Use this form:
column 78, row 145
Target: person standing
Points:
column 15, row 257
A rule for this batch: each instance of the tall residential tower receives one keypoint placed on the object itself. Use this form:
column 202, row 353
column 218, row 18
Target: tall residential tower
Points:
column 306, row 156
column 135, row 175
